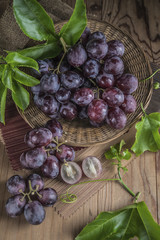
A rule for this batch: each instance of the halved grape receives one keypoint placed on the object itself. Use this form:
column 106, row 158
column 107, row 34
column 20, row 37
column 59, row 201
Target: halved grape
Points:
column 36, row 180
column 65, row 153
column 83, row 96
column 129, row 105
column 50, row 168
column 114, row 65
column 15, row 184
column 113, row 97
column 71, row 172
column 97, row 110
column 128, row 83
column 116, row 118
column 55, row 127
column 49, row 197
column 92, row 167
column 14, row 205
column 34, row 213
column 76, row 55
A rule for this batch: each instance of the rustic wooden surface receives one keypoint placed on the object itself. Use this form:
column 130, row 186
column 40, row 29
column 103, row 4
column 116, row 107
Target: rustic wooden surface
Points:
column 142, row 20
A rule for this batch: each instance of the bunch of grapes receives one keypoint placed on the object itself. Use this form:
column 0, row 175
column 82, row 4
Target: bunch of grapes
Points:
column 29, row 197
column 89, row 83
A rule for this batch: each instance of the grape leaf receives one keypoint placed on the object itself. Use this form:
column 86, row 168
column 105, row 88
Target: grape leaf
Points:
column 33, row 20
column 21, row 96
column 74, row 28
column 1, row 69
column 124, row 224
column 147, row 135
column 3, row 95
column 24, row 78
column 7, row 77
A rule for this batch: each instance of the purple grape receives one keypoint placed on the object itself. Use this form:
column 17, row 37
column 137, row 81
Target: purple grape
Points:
column 23, row 161
column 97, row 35
column 64, row 67
column 45, row 66
column 36, row 89
column 51, row 147
column 15, row 184
column 68, row 111
column 50, row 83
column 113, row 97
column 34, row 158
column 114, row 65
column 116, row 118
column 85, row 35
column 97, row 110
column 87, row 84
column 55, row 127
column 50, row 168
column 49, row 197
column 76, row 55
column 34, row 213
column 115, row 48
column 91, row 68
column 71, row 80
column 38, row 137
column 38, row 100
column 71, row 172
column 63, row 95
column 49, row 105
column 97, row 48
column 65, row 153
column 97, row 94
column 129, row 105
column 82, row 113
column 14, row 205
column 55, row 116
column 36, row 180
column 83, row 96
column 127, row 83
column 105, row 80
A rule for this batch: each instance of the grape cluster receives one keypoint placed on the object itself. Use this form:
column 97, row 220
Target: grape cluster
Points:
column 89, row 83
column 30, row 203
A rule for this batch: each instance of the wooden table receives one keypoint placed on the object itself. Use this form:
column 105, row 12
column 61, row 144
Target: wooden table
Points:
column 142, row 20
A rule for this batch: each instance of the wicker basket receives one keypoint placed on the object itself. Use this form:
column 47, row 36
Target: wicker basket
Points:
column 79, row 132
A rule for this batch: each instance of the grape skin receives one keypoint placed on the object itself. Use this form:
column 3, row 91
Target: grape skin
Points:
column 113, row 97
column 105, row 80
column 114, row 65
column 127, row 83
column 91, row 68
column 116, row 118
column 50, row 83
column 63, row 95
column 14, row 206
column 115, row 48
column 34, row 213
column 71, row 80
column 35, row 158
column 49, row 197
column 49, row 105
column 129, row 105
column 97, row 49
column 65, row 153
column 76, row 55
column 68, row 111
column 97, row 110
column 83, row 96
column 15, row 184
column 50, row 168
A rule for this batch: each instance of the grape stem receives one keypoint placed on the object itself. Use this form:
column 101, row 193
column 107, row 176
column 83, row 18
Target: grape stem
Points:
column 143, row 80
column 31, row 192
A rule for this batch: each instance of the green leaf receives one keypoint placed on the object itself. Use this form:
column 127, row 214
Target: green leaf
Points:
column 47, row 50
column 133, row 221
column 21, row 96
column 7, row 77
column 3, row 96
column 73, row 29
column 1, row 69
column 24, row 78
column 33, row 20
column 18, row 60
column 112, row 153
column 126, row 154
column 156, row 85
column 147, row 135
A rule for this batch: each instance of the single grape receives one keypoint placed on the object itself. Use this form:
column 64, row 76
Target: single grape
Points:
column 50, row 168
column 91, row 68
column 97, row 110
column 65, row 66
column 116, row 118
column 105, row 80
column 97, row 48
column 85, row 35
column 49, row 197
column 63, row 95
column 113, row 97
column 127, row 83
column 71, row 80
column 92, row 167
column 50, row 83
column 55, row 127
column 14, row 205
column 49, row 105
column 51, row 147
column 95, row 124
column 115, row 48
column 36, row 180
column 23, row 161
column 68, row 111
column 38, row 99
column 82, row 113
column 71, row 172
column 35, row 157
column 76, row 55
column 45, row 66
column 129, row 105
column 114, row 65
column 83, row 96
column 34, row 213
column 97, row 35
column 36, row 89
column 65, row 153
column 15, row 184
column 38, row 137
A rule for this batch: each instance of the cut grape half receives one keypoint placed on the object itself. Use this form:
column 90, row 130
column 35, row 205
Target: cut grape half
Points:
column 92, row 167
column 71, row 172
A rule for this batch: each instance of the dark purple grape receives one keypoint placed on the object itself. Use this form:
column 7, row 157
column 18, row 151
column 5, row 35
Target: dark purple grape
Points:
column 49, row 105
column 113, row 97
column 15, row 184
column 71, row 172
column 50, row 83
column 36, row 89
column 34, row 213
column 129, row 105
column 87, row 84
column 97, row 48
column 23, row 161
column 45, row 66
column 91, row 68
column 83, row 96
column 65, row 153
column 115, row 48
column 51, row 147
column 97, row 110
column 63, row 95
column 36, row 180
column 38, row 100
column 116, row 118
column 82, row 113
column 71, row 80
column 64, row 67
column 50, row 168
column 127, row 83
column 38, row 137
column 97, row 35
column 55, row 127
column 14, row 205
column 105, row 80
column 76, row 55
column 95, row 124
column 68, row 111
column 85, row 35
column 55, row 116
column 114, row 65
column 34, row 158
column 49, row 197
